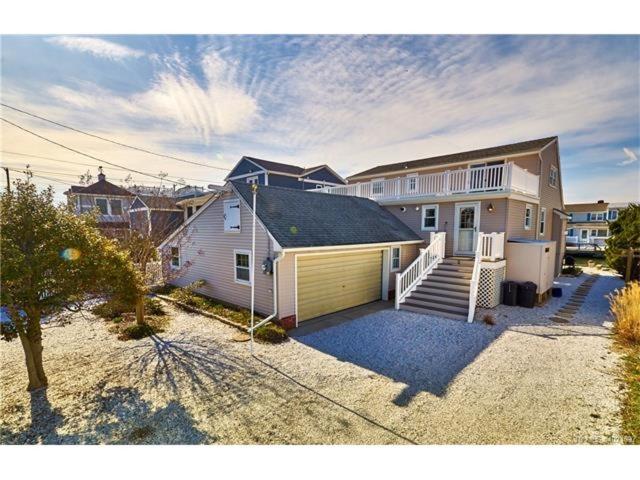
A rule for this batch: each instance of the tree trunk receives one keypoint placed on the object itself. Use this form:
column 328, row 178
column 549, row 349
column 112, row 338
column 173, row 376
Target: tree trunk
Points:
column 34, row 336
column 140, row 310
column 32, row 372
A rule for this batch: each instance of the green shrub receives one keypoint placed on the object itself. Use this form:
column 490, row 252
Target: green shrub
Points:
column 128, row 329
column 111, row 309
column 153, row 306
column 271, row 333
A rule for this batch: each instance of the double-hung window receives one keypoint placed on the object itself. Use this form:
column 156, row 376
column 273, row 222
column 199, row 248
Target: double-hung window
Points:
column 543, row 220
column 613, row 214
column 395, row 259
column 553, row 176
column 412, row 182
column 377, row 186
column 242, row 266
column 175, row 257
column 115, row 205
column 429, row 218
column 528, row 213
column 103, row 205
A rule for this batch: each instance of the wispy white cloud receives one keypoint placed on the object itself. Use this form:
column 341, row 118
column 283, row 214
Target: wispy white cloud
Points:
column 97, row 47
column 631, row 156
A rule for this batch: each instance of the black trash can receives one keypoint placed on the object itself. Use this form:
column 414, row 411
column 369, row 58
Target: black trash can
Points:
column 527, row 294
column 556, row 292
column 509, row 293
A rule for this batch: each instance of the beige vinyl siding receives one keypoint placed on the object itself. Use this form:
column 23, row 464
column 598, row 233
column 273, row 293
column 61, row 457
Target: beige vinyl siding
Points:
column 489, row 222
column 408, row 254
column 515, row 220
column 211, row 253
column 334, row 282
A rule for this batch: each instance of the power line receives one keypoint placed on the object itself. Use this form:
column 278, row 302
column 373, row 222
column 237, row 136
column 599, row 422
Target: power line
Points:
column 87, row 155
column 84, row 164
column 113, row 141
column 64, row 173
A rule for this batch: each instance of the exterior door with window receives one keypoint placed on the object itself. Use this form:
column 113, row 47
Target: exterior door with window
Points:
column 467, row 219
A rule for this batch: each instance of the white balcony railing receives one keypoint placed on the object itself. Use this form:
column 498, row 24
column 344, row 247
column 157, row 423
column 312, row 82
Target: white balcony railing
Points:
column 507, row 177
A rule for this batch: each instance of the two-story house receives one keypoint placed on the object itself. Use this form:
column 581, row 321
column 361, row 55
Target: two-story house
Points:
column 112, row 201
column 437, row 234
column 588, row 224
column 266, row 172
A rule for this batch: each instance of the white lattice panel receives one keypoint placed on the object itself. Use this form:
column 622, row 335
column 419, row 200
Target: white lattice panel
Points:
column 491, row 277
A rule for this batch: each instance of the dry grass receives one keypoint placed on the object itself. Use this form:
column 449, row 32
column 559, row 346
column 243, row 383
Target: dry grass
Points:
column 625, row 307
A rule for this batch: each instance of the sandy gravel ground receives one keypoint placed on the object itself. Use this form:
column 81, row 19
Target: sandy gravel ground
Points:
column 390, row 377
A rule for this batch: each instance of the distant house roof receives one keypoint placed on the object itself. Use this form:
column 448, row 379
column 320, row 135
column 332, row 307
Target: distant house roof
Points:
column 586, row 207
column 299, row 218
column 502, row 150
column 278, row 167
column 101, row 187
column 157, row 202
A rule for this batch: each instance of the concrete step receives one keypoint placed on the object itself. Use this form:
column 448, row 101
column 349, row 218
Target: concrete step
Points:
column 439, row 278
column 431, row 311
column 441, row 298
column 418, row 301
column 428, row 290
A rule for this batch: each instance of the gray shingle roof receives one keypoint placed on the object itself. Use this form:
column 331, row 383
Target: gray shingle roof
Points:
column 276, row 166
column 511, row 149
column 101, row 187
column 299, row 218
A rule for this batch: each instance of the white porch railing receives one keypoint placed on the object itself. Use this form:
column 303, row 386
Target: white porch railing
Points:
column 422, row 266
column 571, row 239
column 475, row 276
column 491, row 246
column 494, row 178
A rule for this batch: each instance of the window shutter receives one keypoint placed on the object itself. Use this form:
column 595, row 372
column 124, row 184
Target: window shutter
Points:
column 232, row 216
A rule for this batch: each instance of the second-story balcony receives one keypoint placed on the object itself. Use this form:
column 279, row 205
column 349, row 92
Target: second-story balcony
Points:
column 507, row 177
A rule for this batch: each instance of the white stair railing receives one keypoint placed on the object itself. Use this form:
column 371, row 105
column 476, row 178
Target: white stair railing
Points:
column 422, row 266
column 492, row 246
column 475, row 277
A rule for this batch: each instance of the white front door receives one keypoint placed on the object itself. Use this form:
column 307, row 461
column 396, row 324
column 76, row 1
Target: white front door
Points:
column 467, row 219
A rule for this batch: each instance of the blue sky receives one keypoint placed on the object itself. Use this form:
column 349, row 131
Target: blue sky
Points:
column 350, row 101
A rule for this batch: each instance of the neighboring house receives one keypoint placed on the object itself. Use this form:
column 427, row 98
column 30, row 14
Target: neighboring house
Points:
column 112, row 201
column 265, row 172
column 315, row 254
column 589, row 222
column 155, row 216
column 195, row 203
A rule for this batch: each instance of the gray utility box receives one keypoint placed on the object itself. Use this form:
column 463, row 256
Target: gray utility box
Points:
column 531, row 261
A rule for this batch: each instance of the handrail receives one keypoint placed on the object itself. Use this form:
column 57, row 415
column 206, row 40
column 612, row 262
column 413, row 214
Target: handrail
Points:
column 475, row 277
column 492, row 246
column 422, row 266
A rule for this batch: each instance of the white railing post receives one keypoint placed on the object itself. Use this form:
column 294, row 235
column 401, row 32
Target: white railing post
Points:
column 446, row 182
column 475, row 277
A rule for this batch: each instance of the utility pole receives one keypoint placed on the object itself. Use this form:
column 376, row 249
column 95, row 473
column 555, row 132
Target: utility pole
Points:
column 6, row 171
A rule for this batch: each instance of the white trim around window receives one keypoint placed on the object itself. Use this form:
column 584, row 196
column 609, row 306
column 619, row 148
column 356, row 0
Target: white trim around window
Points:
column 395, row 259
column 242, row 266
column 528, row 216
column 175, row 260
column 543, row 221
column 433, row 216
column 253, row 179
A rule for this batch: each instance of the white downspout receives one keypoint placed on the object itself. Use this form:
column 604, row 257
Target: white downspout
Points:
column 275, row 294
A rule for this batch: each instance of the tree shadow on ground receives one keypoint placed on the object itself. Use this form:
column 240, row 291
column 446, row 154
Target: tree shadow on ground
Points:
column 426, row 353
column 184, row 364
column 116, row 415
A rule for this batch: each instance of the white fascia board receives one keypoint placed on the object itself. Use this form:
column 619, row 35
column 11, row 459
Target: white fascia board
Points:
column 352, row 246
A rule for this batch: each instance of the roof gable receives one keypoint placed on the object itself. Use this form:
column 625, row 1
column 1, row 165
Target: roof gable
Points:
column 299, row 218
column 101, row 187
column 499, row 151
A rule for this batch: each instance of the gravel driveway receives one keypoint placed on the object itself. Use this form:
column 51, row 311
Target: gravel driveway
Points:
column 389, row 377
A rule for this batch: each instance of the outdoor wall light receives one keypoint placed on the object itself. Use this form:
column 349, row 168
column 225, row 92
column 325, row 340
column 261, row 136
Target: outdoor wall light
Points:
column 417, row 208
column 490, row 208
column 403, row 209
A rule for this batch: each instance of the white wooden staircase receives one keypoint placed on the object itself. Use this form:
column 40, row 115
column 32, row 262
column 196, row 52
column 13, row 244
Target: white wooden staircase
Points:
column 446, row 286
column 445, row 291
